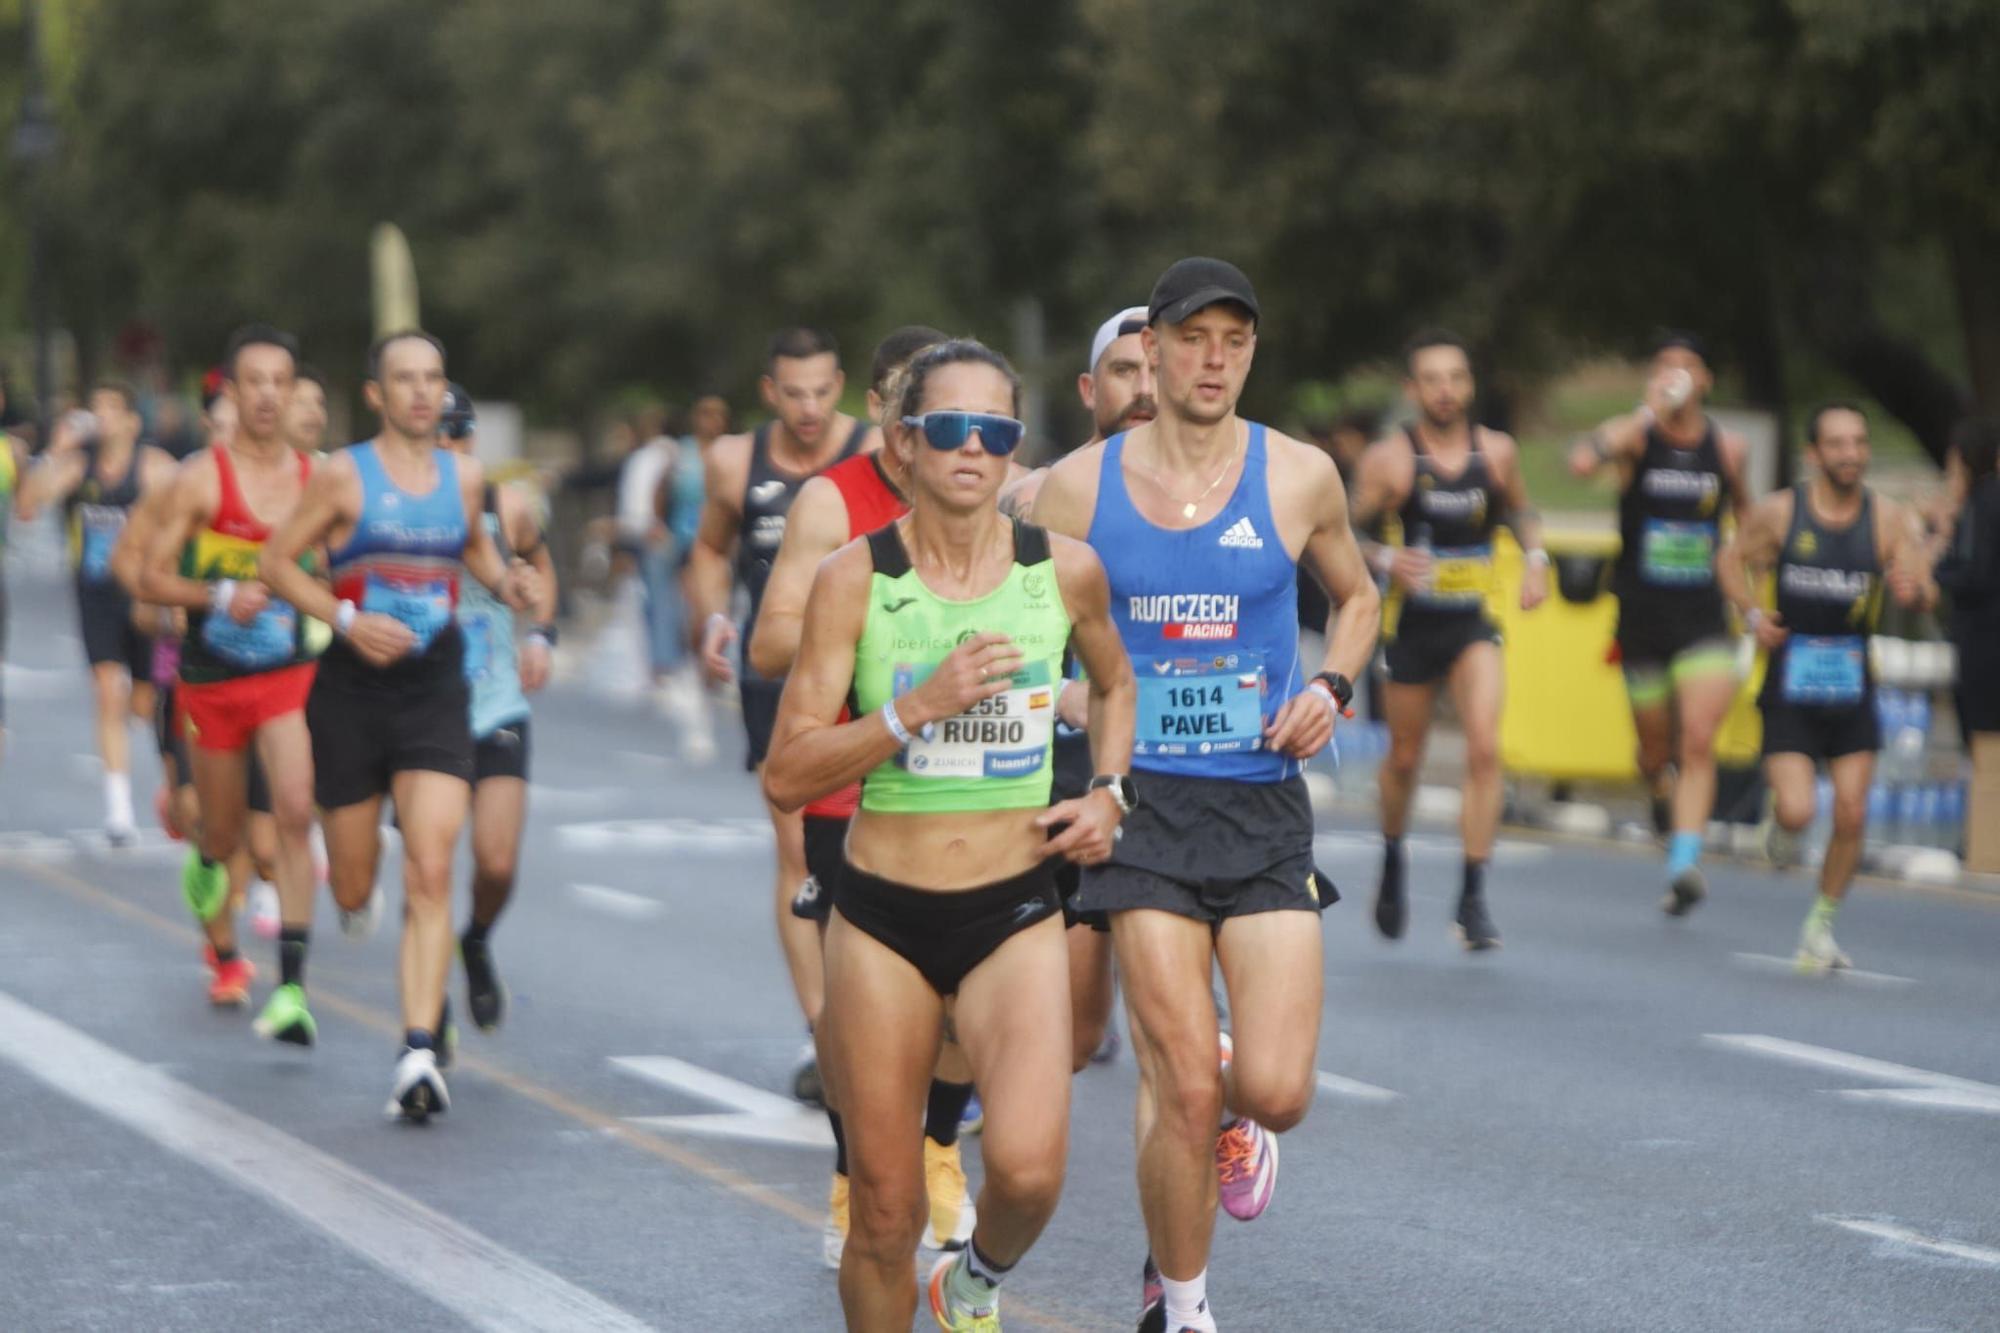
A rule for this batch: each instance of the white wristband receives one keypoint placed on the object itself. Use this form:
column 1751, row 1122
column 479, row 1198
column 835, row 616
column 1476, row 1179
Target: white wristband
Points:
column 1753, row 618
column 220, row 594
column 343, row 618
column 895, row 724
column 1324, row 691
column 1538, row 558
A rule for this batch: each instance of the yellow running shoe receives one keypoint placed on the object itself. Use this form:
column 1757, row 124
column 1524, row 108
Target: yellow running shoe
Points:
column 954, row 1314
column 952, row 1214
column 833, row 1236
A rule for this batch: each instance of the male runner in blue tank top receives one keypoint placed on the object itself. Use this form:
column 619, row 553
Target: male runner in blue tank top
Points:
column 1679, row 474
column 501, row 672
column 1201, row 519
column 1449, row 484
column 1836, row 547
column 390, row 709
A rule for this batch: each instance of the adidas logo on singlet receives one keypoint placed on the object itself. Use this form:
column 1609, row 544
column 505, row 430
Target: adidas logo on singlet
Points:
column 1242, row 534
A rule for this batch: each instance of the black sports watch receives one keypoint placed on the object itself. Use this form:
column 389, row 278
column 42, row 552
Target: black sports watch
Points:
column 1341, row 687
column 546, row 632
column 1121, row 789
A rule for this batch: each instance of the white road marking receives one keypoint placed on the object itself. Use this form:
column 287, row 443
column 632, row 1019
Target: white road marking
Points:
column 1918, row 1087
column 1773, row 963
column 24, row 682
column 28, row 845
column 714, row 836
column 1917, row 1240
column 1354, row 1088
column 755, row 1114
column 617, row 902
column 486, row 1284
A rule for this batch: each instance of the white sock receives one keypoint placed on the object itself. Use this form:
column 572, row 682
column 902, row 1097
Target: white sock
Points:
column 1187, row 1303
column 118, row 799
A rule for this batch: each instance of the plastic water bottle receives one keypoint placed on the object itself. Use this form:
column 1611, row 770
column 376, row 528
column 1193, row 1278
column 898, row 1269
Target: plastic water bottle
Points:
column 1951, row 815
column 1929, row 815
column 1909, row 820
column 1912, row 724
column 1881, row 811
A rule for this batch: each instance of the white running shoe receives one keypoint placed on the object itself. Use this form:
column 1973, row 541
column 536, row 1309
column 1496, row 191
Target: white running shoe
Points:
column 264, row 913
column 1817, row 950
column 419, row 1091
column 361, row 924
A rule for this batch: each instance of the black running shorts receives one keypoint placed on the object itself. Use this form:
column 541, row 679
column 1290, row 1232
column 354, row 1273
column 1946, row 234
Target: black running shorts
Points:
column 1211, row 849
column 826, row 860
column 369, row 724
column 104, row 616
column 946, row 934
column 1821, row 733
column 1426, row 646
column 760, row 714
column 501, row 753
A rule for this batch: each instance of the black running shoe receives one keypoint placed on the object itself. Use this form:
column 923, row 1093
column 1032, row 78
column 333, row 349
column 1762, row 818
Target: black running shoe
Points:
column 1689, row 887
column 807, row 1086
column 1392, row 907
column 1475, row 927
column 485, row 993
column 445, row 1040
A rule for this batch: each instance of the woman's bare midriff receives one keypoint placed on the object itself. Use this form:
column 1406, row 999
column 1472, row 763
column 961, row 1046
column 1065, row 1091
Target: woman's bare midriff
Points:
column 946, row 852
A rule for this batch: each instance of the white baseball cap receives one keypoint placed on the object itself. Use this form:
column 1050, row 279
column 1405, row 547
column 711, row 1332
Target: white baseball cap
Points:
column 1129, row 320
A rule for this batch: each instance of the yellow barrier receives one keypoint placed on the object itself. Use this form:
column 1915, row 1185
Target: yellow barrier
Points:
column 1567, row 715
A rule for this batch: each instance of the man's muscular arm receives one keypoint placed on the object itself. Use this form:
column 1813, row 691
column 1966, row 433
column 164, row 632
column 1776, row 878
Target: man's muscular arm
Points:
column 814, row 530
column 705, row 581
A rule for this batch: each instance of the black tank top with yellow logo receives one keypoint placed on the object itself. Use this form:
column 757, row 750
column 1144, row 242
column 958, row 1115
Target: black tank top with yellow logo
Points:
column 1453, row 517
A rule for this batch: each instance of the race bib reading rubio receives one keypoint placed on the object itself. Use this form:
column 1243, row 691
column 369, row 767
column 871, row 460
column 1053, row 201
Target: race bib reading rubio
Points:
column 1006, row 736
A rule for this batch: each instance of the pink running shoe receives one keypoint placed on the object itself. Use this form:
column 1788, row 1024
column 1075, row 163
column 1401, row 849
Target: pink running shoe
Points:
column 1246, row 1163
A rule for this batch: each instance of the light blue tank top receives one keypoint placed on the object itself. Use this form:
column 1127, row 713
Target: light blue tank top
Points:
column 492, row 659
column 404, row 555
column 1209, row 616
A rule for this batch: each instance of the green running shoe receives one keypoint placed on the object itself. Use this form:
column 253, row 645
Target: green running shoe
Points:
column 285, row 1017
column 206, row 888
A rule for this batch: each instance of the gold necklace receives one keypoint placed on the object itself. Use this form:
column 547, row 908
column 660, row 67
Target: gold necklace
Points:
column 1188, row 507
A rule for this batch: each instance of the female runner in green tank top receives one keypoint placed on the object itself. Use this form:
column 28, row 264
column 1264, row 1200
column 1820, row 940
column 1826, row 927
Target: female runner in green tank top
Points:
column 945, row 633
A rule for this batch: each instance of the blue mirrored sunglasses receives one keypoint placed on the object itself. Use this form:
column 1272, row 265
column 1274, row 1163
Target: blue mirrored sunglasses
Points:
column 998, row 435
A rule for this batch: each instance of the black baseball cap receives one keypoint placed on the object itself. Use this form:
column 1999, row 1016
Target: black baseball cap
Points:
column 1195, row 284
column 1683, row 339
column 457, row 418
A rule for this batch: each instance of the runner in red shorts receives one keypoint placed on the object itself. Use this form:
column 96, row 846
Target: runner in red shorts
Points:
column 246, row 664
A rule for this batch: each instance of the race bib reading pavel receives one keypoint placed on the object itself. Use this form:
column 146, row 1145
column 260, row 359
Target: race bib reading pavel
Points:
column 1006, row 736
column 1199, row 705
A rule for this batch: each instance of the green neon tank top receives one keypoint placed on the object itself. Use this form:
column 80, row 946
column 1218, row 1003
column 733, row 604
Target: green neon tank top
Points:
column 996, row 756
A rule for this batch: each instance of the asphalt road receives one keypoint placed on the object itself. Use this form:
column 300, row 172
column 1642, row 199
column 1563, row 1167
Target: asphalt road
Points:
column 1615, row 1122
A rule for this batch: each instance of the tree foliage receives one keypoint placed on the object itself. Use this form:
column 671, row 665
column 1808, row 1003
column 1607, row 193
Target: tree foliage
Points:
column 609, row 192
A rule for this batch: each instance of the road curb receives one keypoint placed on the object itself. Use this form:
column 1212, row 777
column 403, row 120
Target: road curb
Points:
column 1589, row 821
